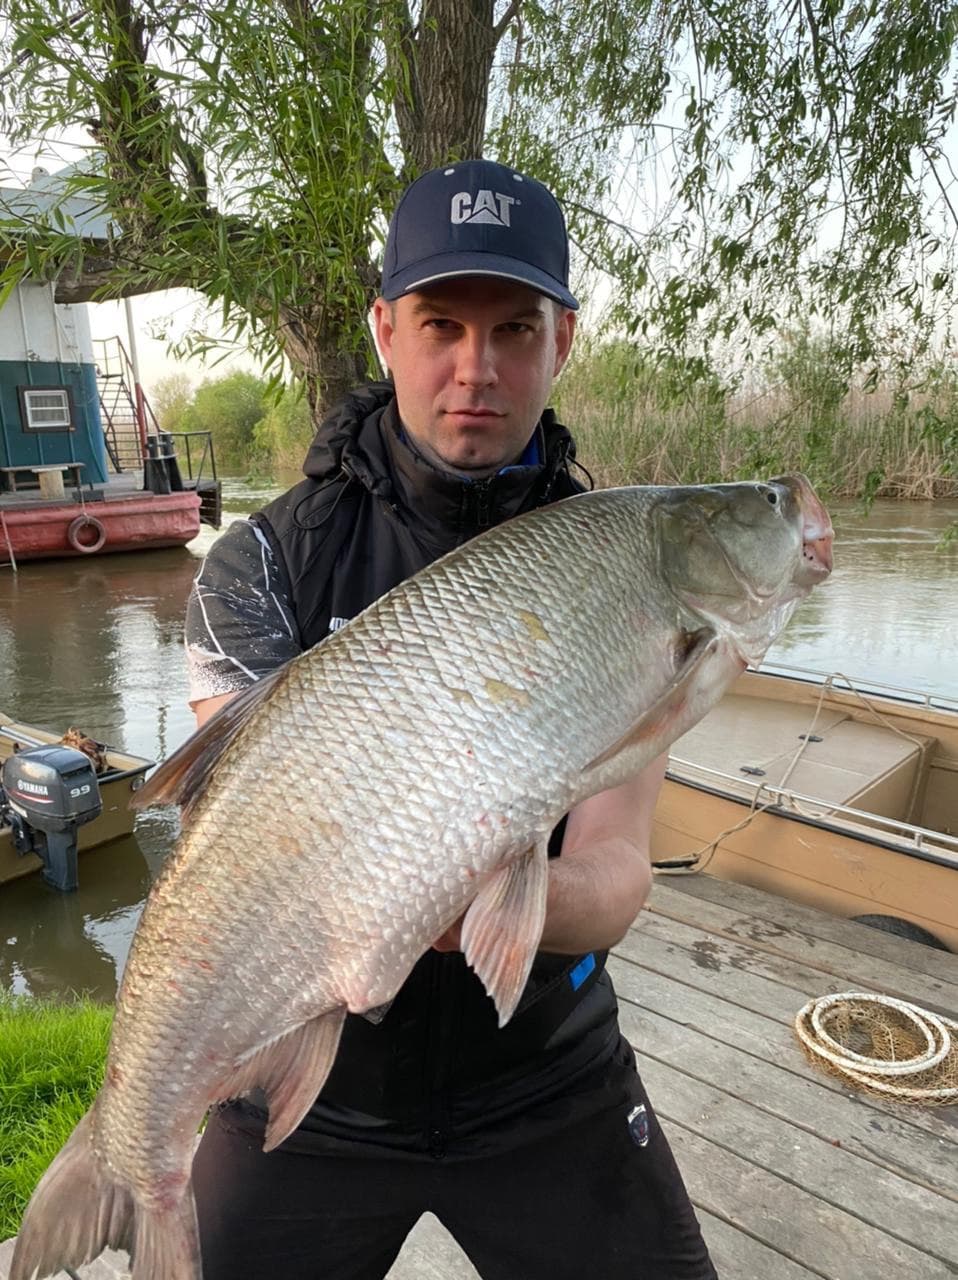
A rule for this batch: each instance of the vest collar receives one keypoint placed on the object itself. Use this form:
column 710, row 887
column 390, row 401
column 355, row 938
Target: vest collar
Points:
column 363, row 437
column 448, row 507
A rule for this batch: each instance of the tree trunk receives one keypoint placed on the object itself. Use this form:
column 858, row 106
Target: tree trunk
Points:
column 323, row 352
column 442, row 116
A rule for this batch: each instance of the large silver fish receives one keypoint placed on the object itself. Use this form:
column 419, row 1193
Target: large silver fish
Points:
column 419, row 759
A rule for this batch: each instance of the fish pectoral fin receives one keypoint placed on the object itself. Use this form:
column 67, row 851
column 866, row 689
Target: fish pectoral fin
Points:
column 291, row 1071
column 697, row 646
column 502, row 928
column 182, row 778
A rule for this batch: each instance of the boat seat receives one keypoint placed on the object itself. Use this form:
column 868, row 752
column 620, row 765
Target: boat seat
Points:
column 861, row 765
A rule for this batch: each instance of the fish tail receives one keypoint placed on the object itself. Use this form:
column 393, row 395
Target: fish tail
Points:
column 74, row 1213
column 168, row 1243
column 78, row 1210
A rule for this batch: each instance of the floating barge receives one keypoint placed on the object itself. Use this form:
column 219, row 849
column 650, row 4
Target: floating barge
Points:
column 102, row 519
column 84, row 467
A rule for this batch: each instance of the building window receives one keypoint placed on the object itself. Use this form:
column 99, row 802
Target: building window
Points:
column 46, row 408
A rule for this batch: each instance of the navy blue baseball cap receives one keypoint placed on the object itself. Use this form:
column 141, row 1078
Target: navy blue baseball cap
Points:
column 477, row 218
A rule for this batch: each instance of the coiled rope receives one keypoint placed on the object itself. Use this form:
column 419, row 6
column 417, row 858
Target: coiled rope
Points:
column 883, row 1045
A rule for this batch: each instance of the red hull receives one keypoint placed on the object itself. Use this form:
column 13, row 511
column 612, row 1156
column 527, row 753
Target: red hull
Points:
column 126, row 524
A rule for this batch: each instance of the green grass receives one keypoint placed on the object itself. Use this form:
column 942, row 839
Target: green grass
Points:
column 51, row 1065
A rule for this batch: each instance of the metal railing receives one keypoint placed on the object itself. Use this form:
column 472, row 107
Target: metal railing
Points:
column 127, row 416
column 913, row 697
column 922, row 839
column 187, row 456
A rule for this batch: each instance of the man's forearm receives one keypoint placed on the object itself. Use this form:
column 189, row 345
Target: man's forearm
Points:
column 600, row 883
column 595, row 896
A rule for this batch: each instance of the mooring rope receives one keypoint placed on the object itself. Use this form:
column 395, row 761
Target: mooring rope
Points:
column 6, row 534
column 883, row 1045
column 701, row 857
column 711, row 846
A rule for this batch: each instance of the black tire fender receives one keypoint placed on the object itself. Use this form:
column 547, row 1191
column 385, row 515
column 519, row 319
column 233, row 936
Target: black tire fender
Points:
column 901, row 929
column 76, row 529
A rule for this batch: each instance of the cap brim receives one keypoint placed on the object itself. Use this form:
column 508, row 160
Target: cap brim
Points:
column 447, row 266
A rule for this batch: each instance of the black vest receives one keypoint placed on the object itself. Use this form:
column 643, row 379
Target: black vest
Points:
column 371, row 513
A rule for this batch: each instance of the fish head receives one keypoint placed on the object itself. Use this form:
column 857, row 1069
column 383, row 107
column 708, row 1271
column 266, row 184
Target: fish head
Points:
column 740, row 556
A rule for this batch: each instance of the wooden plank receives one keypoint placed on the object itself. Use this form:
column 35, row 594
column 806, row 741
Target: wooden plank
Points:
column 710, row 951
column 738, row 1257
column 831, row 1243
column 887, row 1142
column 730, row 954
column 870, row 1193
column 819, row 924
column 758, row 1019
column 429, row 1253
column 768, row 933
column 109, row 1266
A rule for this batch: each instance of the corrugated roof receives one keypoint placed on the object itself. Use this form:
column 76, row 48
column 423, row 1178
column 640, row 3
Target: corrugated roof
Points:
column 37, row 202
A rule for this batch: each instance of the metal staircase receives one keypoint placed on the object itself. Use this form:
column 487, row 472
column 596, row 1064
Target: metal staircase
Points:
column 125, row 430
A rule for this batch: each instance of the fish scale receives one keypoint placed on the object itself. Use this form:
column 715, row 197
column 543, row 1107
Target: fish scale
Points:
column 421, row 756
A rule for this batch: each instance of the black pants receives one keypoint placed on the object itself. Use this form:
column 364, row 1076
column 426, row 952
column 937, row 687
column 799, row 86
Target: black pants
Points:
column 599, row 1199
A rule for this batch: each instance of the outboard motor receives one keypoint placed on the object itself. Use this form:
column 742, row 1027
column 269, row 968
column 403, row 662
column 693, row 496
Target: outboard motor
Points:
column 47, row 793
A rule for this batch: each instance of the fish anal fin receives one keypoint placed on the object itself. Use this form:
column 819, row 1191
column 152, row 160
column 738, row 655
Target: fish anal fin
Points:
column 693, row 649
column 290, row 1070
column 502, row 928
column 182, row 778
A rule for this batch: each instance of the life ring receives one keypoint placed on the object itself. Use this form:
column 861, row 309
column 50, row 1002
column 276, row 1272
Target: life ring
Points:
column 76, row 529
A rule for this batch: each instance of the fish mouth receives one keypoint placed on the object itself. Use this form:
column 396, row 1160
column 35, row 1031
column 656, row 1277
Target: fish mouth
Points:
column 817, row 533
column 816, row 559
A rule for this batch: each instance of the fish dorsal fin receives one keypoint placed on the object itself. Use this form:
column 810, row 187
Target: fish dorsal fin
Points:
column 502, row 928
column 697, row 646
column 181, row 779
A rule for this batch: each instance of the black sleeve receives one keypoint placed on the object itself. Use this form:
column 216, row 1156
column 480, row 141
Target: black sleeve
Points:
column 239, row 618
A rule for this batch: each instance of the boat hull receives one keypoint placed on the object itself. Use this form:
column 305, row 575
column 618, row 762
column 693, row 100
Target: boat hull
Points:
column 807, row 862
column 124, row 776
column 137, row 523
column 811, row 851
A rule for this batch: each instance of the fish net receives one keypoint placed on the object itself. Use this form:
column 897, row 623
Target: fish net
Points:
column 884, row 1046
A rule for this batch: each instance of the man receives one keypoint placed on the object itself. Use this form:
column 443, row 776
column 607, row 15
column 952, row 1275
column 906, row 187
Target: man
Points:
column 534, row 1144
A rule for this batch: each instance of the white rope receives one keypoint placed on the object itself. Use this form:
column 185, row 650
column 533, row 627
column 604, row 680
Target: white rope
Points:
column 701, row 857
column 879, row 1073
column 710, row 848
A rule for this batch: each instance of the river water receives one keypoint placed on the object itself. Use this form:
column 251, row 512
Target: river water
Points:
column 98, row 643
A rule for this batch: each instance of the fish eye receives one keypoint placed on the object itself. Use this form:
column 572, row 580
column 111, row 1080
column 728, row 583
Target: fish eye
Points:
column 771, row 497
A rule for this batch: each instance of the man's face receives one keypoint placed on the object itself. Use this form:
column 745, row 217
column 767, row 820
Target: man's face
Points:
column 473, row 360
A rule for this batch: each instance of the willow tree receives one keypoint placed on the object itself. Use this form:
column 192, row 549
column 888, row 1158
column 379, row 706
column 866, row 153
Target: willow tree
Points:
column 718, row 163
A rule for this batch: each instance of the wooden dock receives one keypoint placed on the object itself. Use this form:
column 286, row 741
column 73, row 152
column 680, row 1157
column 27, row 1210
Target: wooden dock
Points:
column 794, row 1176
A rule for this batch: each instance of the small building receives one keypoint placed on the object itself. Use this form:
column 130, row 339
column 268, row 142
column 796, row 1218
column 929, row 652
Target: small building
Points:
column 49, row 401
column 68, row 418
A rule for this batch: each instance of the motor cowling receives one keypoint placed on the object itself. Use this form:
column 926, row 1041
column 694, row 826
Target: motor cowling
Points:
column 50, row 792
